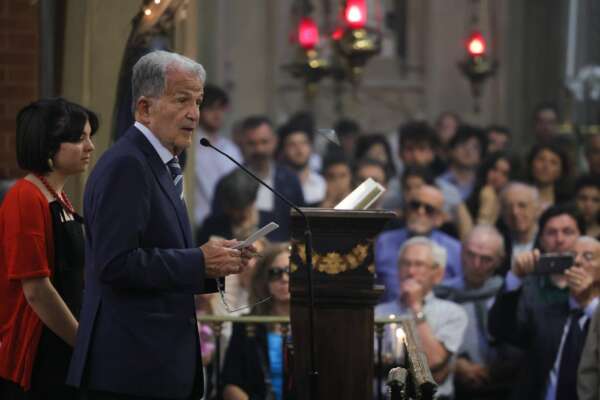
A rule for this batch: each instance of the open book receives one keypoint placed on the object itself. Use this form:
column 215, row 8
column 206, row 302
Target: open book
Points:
column 362, row 197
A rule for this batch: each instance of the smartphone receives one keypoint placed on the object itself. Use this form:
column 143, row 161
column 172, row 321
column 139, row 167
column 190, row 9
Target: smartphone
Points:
column 554, row 263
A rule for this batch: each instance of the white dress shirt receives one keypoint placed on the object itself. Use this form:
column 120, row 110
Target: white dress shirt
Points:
column 314, row 188
column 164, row 153
column 209, row 169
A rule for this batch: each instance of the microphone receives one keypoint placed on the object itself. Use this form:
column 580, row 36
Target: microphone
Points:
column 206, row 143
column 313, row 374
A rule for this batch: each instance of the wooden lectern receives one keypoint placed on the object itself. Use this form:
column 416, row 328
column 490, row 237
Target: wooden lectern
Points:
column 344, row 296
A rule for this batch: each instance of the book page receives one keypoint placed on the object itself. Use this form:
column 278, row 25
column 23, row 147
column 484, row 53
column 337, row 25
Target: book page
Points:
column 362, row 197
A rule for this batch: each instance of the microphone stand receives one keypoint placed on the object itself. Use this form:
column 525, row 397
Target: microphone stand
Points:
column 313, row 375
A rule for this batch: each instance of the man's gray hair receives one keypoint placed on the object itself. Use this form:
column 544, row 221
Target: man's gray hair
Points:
column 535, row 194
column 150, row 73
column 489, row 231
column 438, row 253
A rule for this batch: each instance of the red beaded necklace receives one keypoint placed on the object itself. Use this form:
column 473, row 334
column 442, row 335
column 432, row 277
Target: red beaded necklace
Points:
column 63, row 199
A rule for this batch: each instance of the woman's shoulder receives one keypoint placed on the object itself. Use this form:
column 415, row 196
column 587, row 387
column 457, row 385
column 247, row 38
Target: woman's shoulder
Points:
column 25, row 195
column 25, row 192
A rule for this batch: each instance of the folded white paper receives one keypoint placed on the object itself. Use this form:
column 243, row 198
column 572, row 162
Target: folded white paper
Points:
column 262, row 232
column 362, row 197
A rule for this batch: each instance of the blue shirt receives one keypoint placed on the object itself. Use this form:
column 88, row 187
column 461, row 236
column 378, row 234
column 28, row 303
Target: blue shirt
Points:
column 386, row 258
column 465, row 189
column 276, row 363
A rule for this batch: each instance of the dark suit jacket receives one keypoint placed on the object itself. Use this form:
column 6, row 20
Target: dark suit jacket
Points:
column 532, row 318
column 287, row 183
column 137, row 332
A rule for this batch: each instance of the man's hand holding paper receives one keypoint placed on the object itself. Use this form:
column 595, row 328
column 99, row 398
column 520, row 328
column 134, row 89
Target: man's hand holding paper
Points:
column 222, row 257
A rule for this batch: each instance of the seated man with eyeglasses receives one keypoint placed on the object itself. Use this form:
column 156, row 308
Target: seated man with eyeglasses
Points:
column 440, row 323
column 424, row 214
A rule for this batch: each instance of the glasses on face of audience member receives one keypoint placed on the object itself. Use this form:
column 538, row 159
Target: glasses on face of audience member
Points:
column 416, row 205
column 588, row 256
column 276, row 273
column 414, row 264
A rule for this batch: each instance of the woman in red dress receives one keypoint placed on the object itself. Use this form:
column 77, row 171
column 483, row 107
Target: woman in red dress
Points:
column 41, row 251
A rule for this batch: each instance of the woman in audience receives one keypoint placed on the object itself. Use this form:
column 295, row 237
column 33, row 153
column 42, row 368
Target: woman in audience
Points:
column 493, row 174
column 376, row 147
column 233, row 301
column 253, row 367
column 548, row 170
column 41, row 256
column 587, row 200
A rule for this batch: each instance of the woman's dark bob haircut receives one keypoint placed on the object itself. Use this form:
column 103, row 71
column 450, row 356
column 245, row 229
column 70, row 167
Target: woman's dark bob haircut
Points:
column 43, row 125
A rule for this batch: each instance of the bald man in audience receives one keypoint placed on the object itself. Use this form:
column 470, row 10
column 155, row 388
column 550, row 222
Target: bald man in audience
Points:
column 482, row 369
column 424, row 215
column 520, row 209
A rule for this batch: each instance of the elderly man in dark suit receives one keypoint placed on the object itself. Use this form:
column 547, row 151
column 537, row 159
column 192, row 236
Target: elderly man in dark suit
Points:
column 548, row 316
column 137, row 335
column 588, row 375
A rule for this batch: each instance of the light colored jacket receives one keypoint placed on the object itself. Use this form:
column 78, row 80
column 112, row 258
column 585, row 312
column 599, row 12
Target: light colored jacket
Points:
column 588, row 375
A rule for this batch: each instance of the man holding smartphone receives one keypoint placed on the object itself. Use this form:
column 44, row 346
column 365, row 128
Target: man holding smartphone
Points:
column 547, row 315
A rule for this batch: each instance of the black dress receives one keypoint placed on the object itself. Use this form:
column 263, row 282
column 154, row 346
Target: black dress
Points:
column 54, row 355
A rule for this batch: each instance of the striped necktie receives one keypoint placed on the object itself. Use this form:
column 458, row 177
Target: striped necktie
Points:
column 176, row 175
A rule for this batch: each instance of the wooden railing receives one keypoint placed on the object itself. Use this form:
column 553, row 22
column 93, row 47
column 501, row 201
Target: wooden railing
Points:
column 409, row 379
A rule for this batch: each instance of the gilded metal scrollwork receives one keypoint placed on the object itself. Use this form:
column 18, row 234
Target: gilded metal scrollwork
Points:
column 333, row 263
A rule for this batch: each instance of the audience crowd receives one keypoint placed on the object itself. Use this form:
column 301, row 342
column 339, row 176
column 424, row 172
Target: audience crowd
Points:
column 475, row 217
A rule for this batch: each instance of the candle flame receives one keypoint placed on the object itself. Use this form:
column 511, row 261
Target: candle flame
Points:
column 400, row 335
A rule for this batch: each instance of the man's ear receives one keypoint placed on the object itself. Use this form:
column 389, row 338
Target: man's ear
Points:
column 142, row 109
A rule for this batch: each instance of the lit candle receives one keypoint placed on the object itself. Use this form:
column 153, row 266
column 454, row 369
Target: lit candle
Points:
column 400, row 340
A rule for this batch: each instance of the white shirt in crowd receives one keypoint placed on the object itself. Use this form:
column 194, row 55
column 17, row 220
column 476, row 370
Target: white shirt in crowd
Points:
column 314, row 188
column 265, row 199
column 209, row 169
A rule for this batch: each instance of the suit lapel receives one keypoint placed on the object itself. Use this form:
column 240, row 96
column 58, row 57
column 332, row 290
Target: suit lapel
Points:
column 551, row 328
column 165, row 182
